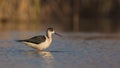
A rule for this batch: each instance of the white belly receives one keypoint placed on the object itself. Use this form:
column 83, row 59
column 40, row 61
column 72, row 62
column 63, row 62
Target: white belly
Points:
column 44, row 45
column 40, row 46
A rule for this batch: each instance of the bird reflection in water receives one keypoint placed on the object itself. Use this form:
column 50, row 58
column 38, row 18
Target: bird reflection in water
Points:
column 48, row 58
column 45, row 54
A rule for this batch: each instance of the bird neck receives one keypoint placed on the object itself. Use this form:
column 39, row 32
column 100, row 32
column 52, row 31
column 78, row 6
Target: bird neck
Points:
column 49, row 35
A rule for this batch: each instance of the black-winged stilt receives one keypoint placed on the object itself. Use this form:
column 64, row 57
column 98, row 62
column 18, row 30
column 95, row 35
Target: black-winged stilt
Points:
column 40, row 42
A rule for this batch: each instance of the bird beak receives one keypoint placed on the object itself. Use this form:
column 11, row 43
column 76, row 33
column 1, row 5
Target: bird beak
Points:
column 58, row 34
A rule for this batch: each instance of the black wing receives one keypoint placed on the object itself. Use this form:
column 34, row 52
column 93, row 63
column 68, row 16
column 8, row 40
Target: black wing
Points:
column 36, row 39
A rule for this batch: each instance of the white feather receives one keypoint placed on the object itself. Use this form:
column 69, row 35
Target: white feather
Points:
column 40, row 46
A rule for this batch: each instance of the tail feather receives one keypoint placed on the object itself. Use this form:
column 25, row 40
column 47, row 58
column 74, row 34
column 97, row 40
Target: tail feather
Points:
column 19, row 40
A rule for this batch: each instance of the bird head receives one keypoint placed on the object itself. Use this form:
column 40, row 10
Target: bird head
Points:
column 52, row 31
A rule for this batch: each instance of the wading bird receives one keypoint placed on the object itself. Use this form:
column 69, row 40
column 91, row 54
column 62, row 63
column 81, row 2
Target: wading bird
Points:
column 40, row 42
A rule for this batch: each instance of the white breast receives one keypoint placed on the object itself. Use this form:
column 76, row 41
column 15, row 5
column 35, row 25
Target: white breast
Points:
column 45, row 44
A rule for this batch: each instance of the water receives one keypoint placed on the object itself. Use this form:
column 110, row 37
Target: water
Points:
column 74, row 50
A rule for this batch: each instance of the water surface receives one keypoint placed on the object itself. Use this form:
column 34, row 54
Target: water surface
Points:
column 74, row 50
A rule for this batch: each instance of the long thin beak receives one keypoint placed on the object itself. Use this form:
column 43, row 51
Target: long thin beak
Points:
column 58, row 34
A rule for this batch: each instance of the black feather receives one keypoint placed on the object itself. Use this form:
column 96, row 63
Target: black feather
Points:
column 35, row 40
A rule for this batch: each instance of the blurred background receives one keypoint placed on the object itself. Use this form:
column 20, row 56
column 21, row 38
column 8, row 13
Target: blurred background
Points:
column 90, row 30
column 64, row 15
